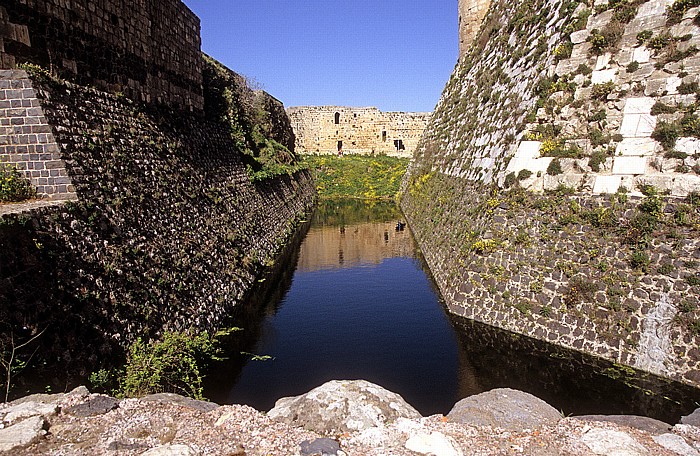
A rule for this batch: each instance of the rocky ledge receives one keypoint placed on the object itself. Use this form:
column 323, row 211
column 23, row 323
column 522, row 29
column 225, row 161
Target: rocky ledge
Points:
column 337, row 418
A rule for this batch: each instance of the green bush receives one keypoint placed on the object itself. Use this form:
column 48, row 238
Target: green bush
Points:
column 13, row 186
column 601, row 91
column 640, row 260
column 171, row 365
column 597, row 159
column 667, row 133
column 662, row 108
column 659, row 41
column 554, row 167
column 598, row 116
column 633, row 66
column 524, row 174
column 688, row 88
column 676, row 11
column 510, row 180
column 644, row 35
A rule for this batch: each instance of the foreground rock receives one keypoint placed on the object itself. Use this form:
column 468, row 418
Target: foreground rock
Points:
column 172, row 425
column 342, row 406
column 506, row 408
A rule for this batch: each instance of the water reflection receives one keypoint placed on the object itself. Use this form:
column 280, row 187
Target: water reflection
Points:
column 354, row 300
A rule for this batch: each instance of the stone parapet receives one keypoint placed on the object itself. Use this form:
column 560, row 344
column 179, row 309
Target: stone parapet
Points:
column 149, row 51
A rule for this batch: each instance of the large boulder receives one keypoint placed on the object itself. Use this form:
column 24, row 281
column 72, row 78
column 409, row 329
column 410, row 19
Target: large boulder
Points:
column 505, row 408
column 342, row 406
column 22, row 434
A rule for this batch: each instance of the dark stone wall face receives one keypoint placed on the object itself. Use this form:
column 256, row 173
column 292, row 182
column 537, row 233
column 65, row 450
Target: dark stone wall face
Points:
column 148, row 50
column 168, row 233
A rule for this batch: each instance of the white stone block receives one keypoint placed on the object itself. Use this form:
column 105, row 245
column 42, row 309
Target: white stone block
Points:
column 637, row 147
column 629, row 165
column 672, row 84
column 639, row 105
column 653, row 8
column 688, row 145
column 607, row 184
column 603, row 76
column 528, row 149
column 579, row 36
column 602, row 61
column 641, row 55
column 646, row 126
column 637, row 125
column 684, row 184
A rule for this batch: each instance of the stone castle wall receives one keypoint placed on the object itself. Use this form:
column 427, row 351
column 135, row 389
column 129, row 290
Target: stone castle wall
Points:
column 471, row 16
column 168, row 232
column 147, row 50
column 589, row 109
column 326, row 129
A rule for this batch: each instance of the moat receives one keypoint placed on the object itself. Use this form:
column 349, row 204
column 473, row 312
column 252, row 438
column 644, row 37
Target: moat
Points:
column 353, row 299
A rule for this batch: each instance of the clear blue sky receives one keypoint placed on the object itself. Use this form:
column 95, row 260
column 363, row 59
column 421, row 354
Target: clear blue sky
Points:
column 393, row 54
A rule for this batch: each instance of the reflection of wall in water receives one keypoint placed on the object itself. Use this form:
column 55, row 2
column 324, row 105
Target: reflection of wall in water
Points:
column 346, row 246
column 573, row 381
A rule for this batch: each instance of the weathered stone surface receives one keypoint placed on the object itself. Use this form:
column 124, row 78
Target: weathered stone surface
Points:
column 22, row 433
column 435, row 443
column 629, row 165
column 676, row 443
column 693, row 419
column 650, row 425
column 95, row 405
column 613, row 443
column 505, row 408
column 170, row 450
column 319, row 447
column 181, row 400
column 24, row 410
column 342, row 406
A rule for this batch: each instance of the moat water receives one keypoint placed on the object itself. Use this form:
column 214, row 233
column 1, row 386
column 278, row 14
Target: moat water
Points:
column 353, row 299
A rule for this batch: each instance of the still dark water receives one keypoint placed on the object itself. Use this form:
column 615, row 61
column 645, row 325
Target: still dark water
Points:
column 353, row 300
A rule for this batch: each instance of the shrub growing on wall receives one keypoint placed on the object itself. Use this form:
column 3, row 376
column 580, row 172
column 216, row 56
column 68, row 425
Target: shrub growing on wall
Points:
column 14, row 187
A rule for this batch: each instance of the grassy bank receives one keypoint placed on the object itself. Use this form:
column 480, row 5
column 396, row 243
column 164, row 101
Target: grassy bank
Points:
column 357, row 176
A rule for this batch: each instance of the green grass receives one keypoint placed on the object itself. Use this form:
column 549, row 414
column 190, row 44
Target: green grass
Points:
column 357, row 176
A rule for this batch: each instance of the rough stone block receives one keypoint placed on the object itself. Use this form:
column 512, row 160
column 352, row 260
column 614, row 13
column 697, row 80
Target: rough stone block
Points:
column 672, row 84
column 637, row 125
column 629, row 165
column 690, row 146
column 640, row 105
column 641, row 55
column 603, row 76
column 602, row 61
column 637, row 147
column 528, row 149
column 607, row 184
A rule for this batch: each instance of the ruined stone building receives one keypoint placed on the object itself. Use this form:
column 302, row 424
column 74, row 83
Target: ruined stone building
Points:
column 331, row 129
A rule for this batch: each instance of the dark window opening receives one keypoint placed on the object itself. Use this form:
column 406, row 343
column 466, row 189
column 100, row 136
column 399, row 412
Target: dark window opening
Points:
column 337, row 118
column 398, row 143
column 383, row 136
column 114, row 19
column 340, row 145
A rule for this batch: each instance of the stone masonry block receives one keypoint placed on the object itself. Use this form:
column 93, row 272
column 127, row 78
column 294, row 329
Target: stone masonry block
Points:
column 629, row 165
column 603, row 76
column 640, row 105
column 637, row 147
column 637, row 125
column 607, row 184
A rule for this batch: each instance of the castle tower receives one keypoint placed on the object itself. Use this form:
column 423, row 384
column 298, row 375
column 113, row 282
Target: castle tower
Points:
column 471, row 14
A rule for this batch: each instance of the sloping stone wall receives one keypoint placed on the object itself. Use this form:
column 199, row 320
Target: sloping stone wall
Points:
column 168, row 233
column 147, row 50
column 26, row 139
column 326, row 129
column 605, row 261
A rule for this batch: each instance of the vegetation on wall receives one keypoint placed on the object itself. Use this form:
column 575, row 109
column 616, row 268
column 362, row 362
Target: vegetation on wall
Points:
column 251, row 121
column 357, row 176
column 13, row 186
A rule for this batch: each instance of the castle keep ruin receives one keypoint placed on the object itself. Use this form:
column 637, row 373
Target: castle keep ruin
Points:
column 330, row 129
